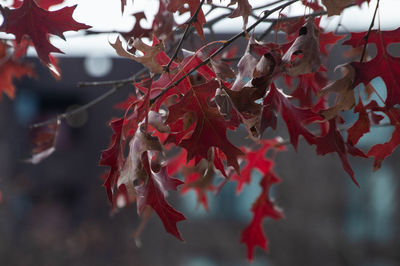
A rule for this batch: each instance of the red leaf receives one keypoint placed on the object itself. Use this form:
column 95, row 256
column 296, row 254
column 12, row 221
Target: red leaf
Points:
column 361, row 126
column 253, row 235
column 389, row 66
column 218, row 156
column 328, row 38
column 163, row 22
column 293, row 116
column 210, row 130
column 173, row 6
column 10, row 69
column 308, row 86
column 113, row 157
column 381, row 151
column 152, row 193
column 255, row 160
column 333, row 142
column 312, row 4
column 44, row 141
column 37, row 23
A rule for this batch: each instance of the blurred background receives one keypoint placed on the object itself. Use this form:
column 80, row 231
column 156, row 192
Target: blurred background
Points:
column 57, row 212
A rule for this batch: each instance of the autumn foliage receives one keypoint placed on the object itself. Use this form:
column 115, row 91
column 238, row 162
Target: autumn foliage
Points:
column 175, row 126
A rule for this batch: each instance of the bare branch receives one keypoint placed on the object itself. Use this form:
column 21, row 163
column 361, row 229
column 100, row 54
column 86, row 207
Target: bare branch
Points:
column 67, row 115
column 368, row 32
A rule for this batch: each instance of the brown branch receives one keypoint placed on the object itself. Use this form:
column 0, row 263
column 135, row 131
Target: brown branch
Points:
column 122, row 82
column 225, row 44
column 368, row 32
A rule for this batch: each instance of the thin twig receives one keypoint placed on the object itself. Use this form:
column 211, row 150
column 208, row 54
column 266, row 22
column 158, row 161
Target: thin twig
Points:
column 83, row 84
column 104, row 83
column 368, row 32
column 68, row 114
column 225, row 44
column 192, row 20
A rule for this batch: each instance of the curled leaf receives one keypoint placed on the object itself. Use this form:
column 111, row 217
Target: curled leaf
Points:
column 343, row 87
column 149, row 57
column 305, row 51
column 44, row 140
column 156, row 120
column 222, row 70
column 132, row 170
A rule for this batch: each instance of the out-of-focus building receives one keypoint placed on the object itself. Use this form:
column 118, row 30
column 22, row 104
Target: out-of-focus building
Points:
column 57, row 212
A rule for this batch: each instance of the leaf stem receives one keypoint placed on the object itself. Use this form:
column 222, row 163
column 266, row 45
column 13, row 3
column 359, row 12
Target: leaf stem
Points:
column 222, row 47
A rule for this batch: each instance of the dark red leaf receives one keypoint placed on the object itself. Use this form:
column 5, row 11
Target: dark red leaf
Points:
column 255, row 160
column 381, row 151
column 10, row 69
column 293, row 116
column 152, row 193
column 361, row 126
column 253, row 235
column 173, row 6
column 210, row 130
column 113, row 157
column 333, row 142
column 37, row 23
column 389, row 66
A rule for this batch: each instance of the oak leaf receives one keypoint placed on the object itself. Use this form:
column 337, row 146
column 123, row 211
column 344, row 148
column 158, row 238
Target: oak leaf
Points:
column 361, row 126
column 253, row 235
column 152, row 193
column 389, row 66
column 305, row 46
column 333, row 142
column 10, row 69
column 294, row 117
column 33, row 21
column 210, row 129
column 148, row 59
column 256, row 160
column 381, row 151
column 175, row 5
column 344, row 87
